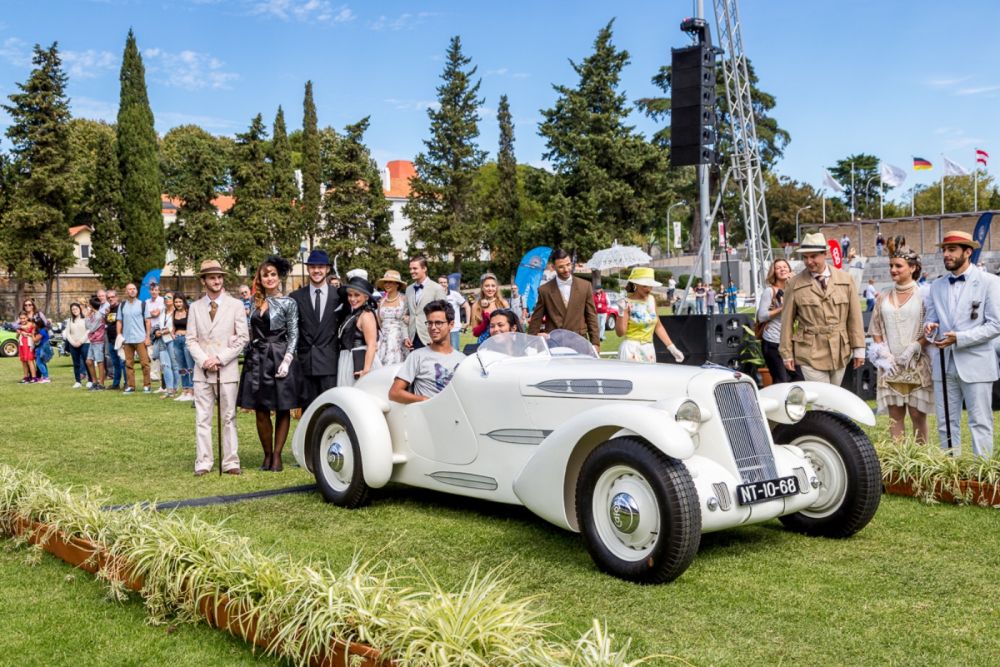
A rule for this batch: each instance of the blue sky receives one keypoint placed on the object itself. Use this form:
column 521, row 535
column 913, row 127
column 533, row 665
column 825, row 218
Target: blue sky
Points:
column 896, row 79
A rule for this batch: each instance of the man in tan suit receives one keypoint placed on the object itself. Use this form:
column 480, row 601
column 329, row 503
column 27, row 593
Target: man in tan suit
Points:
column 419, row 294
column 216, row 334
column 566, row 302
column 822, row 328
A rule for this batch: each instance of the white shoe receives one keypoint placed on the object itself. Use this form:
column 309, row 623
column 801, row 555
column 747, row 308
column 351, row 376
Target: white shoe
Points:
column 77, row 385
column 159, row 391
column 186, row 397
column 89, row 384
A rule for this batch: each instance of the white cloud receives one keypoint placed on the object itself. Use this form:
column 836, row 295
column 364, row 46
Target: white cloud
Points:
column 977, row 90
column 87, row 107
column 413, row 105
column 319, row 11
column 190, row 70
column 505, row 72
column 946, row 82
column 955, row 138
column 486, row 113
column 405, row 21
column 88, row 64
column 16, row 52
column 169, row 119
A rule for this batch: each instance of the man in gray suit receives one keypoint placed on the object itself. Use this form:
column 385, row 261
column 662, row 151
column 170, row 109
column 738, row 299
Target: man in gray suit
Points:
column 963, row 320
column 419, row 294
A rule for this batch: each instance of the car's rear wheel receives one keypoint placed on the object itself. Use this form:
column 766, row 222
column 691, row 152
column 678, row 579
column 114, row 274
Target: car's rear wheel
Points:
column 336, row 459
column 9, row 348
column 850, row 478
column 609, row 323
column 638, row 511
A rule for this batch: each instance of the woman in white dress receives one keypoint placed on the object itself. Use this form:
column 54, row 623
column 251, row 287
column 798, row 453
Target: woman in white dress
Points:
column 358, row 334
column 393, row 315
column 904, row 376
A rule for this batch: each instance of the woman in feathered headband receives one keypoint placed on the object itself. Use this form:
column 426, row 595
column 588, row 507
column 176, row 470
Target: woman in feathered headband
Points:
column 270, row 379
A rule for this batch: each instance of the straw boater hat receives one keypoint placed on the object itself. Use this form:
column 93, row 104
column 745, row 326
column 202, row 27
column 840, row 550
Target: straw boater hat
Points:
column 643, row 275
column 210, row 267
column 812, row 243
column 390, row 276
column 959, row 238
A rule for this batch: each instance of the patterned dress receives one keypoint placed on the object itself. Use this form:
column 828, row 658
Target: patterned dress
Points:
column 898, row 326
column 638, row 342
column 393, row 333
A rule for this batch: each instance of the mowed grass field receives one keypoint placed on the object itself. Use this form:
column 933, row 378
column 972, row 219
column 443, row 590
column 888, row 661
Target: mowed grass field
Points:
column 918, row 586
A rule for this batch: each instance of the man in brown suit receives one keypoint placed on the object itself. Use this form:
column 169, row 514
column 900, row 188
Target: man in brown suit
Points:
column 822, row 325
column 566, row 302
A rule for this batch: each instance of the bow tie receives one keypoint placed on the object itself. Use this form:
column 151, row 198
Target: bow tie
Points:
column 418, row 287
column 956, row 279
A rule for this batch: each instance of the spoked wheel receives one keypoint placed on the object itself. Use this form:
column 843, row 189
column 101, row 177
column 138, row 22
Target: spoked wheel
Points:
column 337, row 460
column 850, row 478
column 9, row 348
column 638, row 511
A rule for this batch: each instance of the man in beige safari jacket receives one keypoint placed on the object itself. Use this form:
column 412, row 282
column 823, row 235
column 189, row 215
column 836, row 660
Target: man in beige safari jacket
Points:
column 822, row 325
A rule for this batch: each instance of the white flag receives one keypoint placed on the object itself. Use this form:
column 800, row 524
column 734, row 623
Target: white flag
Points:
column 830, row 182
column 953, row 168
column 892, row 175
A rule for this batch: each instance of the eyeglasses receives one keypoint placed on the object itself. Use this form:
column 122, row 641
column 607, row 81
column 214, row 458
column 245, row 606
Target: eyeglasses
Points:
column 436, row 324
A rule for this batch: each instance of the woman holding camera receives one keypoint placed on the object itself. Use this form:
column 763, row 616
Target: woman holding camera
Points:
column 769, row 321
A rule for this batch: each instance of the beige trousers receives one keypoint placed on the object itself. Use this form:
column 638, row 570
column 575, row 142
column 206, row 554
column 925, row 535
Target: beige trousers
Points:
column 810, row 374
column 204, row 411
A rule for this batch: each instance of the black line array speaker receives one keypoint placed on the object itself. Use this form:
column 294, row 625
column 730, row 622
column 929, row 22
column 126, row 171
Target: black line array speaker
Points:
column 713, row 339
column 692, row 113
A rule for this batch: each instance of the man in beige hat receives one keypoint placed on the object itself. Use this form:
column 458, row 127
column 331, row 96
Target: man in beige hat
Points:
column 963, row 321
column 823, row 328
column 216, row 334
column 318, row 317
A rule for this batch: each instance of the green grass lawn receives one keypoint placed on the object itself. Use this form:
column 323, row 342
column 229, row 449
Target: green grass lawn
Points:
column 917, row 586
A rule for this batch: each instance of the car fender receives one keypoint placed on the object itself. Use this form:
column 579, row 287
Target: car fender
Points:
column 367, row 416
column 819, row 396
column 547, row 483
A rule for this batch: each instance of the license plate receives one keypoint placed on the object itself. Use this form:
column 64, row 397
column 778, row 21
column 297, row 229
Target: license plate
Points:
column 758, row 492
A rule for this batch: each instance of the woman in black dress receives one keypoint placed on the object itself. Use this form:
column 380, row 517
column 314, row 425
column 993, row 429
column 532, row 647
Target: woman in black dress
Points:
column 270, row 379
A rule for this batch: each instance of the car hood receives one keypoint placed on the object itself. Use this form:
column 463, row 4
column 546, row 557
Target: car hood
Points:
column 619, row 380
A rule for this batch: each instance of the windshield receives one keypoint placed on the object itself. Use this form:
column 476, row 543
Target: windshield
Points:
column 559, row 343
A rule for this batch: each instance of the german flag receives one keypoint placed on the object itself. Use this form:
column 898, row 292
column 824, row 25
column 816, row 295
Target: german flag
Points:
column 920, row 164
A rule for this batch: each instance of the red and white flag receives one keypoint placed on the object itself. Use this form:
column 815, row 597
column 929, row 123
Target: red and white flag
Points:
column 982, row 156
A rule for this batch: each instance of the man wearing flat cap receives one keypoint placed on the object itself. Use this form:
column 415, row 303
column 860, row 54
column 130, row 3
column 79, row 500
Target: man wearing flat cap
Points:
column 216, row 334
column 317, row 349
column 963, row 320
column 823, row 329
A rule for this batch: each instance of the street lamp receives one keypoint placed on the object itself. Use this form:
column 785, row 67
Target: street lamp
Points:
column 798, row 237
column 670, row 208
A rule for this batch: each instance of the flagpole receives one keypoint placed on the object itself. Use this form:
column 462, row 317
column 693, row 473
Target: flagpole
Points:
column 852, row 191
column 881, row 194
column 975, row 189
column 823, row 196
column 913, row 194
column 943, row 175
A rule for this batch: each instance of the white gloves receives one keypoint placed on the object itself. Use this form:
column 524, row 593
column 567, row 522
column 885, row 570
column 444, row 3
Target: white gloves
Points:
column 678, row 355
column 906, row 356
column 881, row 357
column 283, row 366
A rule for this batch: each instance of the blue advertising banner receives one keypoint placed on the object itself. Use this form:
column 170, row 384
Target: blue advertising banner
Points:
column 529, row 274
column 979, row 234
column 149, row 277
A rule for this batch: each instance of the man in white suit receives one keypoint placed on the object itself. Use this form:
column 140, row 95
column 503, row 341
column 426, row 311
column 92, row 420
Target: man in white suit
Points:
column 419, row 294
column 216, row 334
column 963, row 320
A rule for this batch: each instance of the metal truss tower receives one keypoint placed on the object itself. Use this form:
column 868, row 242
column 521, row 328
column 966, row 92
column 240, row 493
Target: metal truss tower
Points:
column 746, row 164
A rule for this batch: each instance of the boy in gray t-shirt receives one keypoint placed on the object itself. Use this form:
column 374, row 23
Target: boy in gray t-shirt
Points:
column 429, row 370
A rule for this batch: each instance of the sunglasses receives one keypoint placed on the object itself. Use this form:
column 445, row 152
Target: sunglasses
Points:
column 975, row 310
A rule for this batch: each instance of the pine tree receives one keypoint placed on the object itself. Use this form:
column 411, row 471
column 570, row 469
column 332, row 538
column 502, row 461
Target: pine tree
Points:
column 505, row 237
column 247, row 236
column 195, row 169
column 610, row 178
column 311, row 167
column 36, row 242
column 355, row 210
column 106, row 257
column 284, row 224
column 441, row 208
column 142, row 221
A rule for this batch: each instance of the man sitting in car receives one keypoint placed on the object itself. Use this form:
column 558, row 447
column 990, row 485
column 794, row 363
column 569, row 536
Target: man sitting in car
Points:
column 429, row 369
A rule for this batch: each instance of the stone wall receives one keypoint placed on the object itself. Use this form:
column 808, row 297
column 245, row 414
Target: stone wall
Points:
column 922, row 234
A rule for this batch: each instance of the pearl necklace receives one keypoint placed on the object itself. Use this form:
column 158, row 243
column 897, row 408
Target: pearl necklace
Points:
column 898, row 318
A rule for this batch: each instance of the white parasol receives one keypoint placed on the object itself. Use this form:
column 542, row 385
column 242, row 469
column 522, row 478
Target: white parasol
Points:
column 618, row 257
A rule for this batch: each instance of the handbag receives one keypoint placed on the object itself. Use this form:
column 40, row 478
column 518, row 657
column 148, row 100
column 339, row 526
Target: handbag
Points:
column 358, row 358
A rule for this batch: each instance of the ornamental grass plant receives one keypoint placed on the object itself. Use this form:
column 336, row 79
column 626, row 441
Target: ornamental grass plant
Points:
column 930, row 469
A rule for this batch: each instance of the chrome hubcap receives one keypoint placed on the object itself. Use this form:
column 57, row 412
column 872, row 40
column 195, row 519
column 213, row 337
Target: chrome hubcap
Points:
column 624, row 513
column 335, row 457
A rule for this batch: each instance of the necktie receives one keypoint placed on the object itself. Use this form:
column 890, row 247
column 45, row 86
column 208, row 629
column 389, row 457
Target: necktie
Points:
column 956, row 279
column 213, row 308
column 318, row 305
column 822, row 282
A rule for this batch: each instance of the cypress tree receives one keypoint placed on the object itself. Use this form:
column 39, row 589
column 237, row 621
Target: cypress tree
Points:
column 36, row 243
column 311, row 168
column 142, row 221
column 106, row 258
column 247, row 237
column 284, row 225
column 441, row 207
column 505, row 227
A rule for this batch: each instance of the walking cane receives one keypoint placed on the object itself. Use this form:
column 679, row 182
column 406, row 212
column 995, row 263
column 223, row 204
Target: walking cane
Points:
column 218, row 414
column 944, row 390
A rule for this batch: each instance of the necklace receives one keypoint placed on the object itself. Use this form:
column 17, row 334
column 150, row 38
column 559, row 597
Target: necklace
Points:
column 392, row 300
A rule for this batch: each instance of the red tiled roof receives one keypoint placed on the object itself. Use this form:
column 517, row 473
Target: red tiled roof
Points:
column 73, row 231
column 400, row 173
column 170, row 204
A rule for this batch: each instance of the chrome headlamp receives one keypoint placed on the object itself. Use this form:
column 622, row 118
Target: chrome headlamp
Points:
column 795, row 403
column 688, row 415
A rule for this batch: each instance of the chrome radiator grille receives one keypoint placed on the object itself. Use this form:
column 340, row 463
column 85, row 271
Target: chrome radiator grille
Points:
column 746, row 430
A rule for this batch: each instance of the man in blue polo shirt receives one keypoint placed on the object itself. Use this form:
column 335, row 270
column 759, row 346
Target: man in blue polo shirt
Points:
column 133, row 331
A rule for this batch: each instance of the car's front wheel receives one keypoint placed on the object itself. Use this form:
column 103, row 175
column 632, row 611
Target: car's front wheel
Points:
column 847, row 469
column 9, row 348
column 638, row 511
column 336, row 459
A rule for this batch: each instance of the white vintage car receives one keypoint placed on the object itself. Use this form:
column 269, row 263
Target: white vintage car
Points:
column 641, row 459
